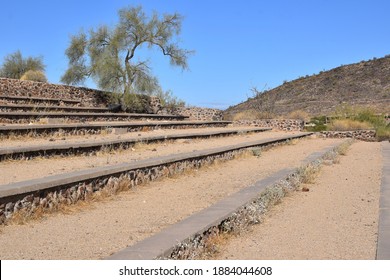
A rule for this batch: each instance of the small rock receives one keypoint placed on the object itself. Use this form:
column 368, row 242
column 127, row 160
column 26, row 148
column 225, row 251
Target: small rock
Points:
column 305, row 189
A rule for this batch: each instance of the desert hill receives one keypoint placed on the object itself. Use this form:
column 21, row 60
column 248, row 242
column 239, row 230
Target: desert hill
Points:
column 366, row 83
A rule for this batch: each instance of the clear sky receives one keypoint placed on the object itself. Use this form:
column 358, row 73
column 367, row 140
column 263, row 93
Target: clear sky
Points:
column 238, row 44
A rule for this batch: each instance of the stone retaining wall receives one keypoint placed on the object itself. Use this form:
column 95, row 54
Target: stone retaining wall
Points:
column 365, row 135
column 285, row 125
column 199, row 113
column 87, row 97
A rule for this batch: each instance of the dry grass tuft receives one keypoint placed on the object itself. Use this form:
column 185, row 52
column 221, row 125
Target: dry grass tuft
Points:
column 343, row 148
column 251, row 115
column 213, row 245
column 308, row 174
column 299, row 115
column 348, row 125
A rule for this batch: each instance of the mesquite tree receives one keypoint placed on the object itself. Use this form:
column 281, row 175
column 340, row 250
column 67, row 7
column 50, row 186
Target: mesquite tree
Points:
column 109, row 55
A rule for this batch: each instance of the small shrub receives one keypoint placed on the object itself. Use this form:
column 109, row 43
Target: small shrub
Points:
column 135, row 103
column 36, row 76
column 308, row 173
column 256, row 152
column 318, row 124
column 251, row 115
column 168, row 100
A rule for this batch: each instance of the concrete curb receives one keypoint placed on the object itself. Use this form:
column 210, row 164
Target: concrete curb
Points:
column 162, row 244
column 383, row 245
column 80, row 147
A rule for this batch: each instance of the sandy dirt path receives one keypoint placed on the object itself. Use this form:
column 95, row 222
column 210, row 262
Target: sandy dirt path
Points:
column 336, row 219
column 101, row 229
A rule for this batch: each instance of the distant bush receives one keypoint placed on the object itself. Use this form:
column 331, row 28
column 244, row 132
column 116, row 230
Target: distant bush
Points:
column 36, row 76
column 251, row 115
column 15, row 65
column 368, row 115
column 168, row 100
column 317, row 124
column 361, row 118
column 299, row 115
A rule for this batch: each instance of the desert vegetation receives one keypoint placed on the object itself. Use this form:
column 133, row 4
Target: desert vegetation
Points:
column 348, row 118
column 15, row 66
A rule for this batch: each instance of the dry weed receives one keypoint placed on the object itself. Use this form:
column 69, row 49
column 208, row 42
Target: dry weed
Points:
column 251, row 115
column 308, row 173
column 348, row 125
column 213, row 245
column 299, row 115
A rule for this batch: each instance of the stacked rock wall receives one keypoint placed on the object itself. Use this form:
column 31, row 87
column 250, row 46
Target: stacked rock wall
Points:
column 365, row 135
column 285, row 125
column 199, row 113
column 86, row 96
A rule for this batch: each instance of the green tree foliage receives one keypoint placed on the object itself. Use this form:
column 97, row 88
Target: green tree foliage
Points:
column 15, row 66
column 108, row 55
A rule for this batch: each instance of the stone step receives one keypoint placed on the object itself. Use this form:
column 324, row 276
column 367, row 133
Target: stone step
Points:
column 91, row 147
column 44, row 108
column 73, row 186
column 43, row 130
column 30, row 99
column 28, row 117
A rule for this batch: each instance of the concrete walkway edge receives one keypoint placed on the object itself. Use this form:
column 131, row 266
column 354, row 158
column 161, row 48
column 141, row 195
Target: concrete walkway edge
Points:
column 383, row 245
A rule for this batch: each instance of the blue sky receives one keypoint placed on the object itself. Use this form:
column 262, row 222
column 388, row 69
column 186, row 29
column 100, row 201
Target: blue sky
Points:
column 238, row 44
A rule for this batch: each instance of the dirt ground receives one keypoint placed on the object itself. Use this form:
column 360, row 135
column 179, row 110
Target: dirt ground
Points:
column 99, row 229
column 336, row 219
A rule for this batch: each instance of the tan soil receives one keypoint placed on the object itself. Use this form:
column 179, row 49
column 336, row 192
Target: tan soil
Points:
column 16, row 170
column 336, row 219
column 96, row 231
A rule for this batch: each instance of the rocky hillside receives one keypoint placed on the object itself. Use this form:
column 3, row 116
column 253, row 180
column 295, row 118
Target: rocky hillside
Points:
column 366, row 83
